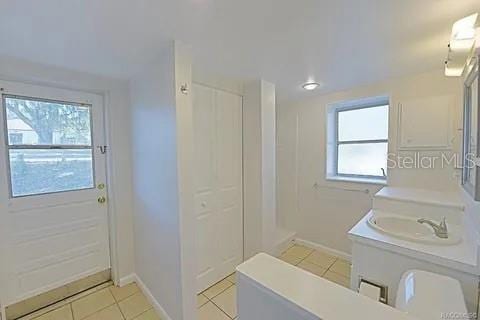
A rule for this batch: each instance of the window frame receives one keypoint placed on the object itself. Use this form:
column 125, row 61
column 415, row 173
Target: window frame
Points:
column 471, row 178
column 333, row 157
column 9, row 147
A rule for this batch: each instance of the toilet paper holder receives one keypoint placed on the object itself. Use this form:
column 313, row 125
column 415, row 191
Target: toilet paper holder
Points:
column 383, row 288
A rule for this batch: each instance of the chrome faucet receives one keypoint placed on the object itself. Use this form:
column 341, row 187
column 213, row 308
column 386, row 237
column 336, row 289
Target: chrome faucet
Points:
column 440, row 230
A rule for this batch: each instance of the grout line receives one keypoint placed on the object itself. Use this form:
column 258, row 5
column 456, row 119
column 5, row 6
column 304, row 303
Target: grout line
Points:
column 142, row 313
column 224, row 279
column 326, row 269
column 65, row 301
column 43, row 311
column 115, row 303
column 71, row 310
column 121, row 312
column 213, row 302
column 69, row 301
column 231, row 285
column 221, row 309
column 125, row 298
column 339, row 274
column 88, row 292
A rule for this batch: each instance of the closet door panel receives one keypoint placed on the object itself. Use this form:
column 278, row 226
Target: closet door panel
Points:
column 218, row 183
column 205, row 185
column 229, row 169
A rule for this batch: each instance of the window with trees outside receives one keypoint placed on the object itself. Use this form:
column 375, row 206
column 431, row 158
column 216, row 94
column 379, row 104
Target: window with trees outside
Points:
column 359, row 140
column 49, row 145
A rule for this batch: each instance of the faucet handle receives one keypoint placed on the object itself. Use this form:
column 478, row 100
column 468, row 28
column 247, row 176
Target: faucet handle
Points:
column 443, row 224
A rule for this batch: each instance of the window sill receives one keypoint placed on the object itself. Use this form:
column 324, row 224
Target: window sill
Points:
column 358, row 180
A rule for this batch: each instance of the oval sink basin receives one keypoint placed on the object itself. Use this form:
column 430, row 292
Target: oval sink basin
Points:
column 409, row 229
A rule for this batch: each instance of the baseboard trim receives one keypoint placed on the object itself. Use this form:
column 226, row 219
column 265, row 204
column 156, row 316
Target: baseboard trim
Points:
column 284, row 243
column 126, row 280
column 158, row 308
column 319, row 247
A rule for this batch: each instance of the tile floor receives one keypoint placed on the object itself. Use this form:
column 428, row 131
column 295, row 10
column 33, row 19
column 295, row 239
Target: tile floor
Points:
column 319, row 263
column 101, row 303
column 219, row 301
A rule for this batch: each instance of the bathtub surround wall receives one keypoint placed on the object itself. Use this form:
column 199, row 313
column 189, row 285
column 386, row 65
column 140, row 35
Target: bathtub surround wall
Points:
column 322, row 211
column 163, row 195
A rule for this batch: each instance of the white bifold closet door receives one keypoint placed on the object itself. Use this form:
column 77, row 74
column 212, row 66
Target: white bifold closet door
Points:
column 218, row 183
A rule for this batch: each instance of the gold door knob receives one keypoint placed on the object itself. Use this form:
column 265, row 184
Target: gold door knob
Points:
column 102, row 200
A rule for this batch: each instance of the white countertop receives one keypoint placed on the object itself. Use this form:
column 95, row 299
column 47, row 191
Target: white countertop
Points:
column 317, row 296
column 437, row 198
column 462, row 256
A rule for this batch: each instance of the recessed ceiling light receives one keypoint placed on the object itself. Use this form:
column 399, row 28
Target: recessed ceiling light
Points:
column 311, row 86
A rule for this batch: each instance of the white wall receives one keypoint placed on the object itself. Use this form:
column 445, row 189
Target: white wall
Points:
column 164, row 254
column 116, row 97
column 212, row 80
column 260, row 220
column 185, row 158
column 269, row 173
column 324, row 214
column 252, row 170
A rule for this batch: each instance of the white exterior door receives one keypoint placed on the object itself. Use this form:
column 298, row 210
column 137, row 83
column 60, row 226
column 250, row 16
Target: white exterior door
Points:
column 53, row 217
column 218, row 183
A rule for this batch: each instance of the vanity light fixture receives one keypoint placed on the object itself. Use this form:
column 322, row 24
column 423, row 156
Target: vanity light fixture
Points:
column 453, row 72
column 462, row 41
column 309, row 86
column 465, row 27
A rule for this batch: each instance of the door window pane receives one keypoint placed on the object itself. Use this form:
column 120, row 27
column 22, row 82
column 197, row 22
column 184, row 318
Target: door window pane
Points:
column 38, row 122
column 35, row 171
column 363, row 124
column 49, row 146
column 365, row 159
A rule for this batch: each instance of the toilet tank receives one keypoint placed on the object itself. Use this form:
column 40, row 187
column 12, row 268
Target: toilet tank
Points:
column 428, row 295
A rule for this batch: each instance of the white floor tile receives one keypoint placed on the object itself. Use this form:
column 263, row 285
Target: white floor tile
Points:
column 210, row 312
column 227, row 301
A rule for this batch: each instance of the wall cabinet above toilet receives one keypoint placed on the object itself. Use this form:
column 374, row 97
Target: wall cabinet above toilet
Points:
column 425, row 123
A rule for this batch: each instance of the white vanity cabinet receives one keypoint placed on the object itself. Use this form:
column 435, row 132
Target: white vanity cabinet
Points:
column 381, row 258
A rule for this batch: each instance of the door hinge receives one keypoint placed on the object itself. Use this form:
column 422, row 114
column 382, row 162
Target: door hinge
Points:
column 103, row 149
